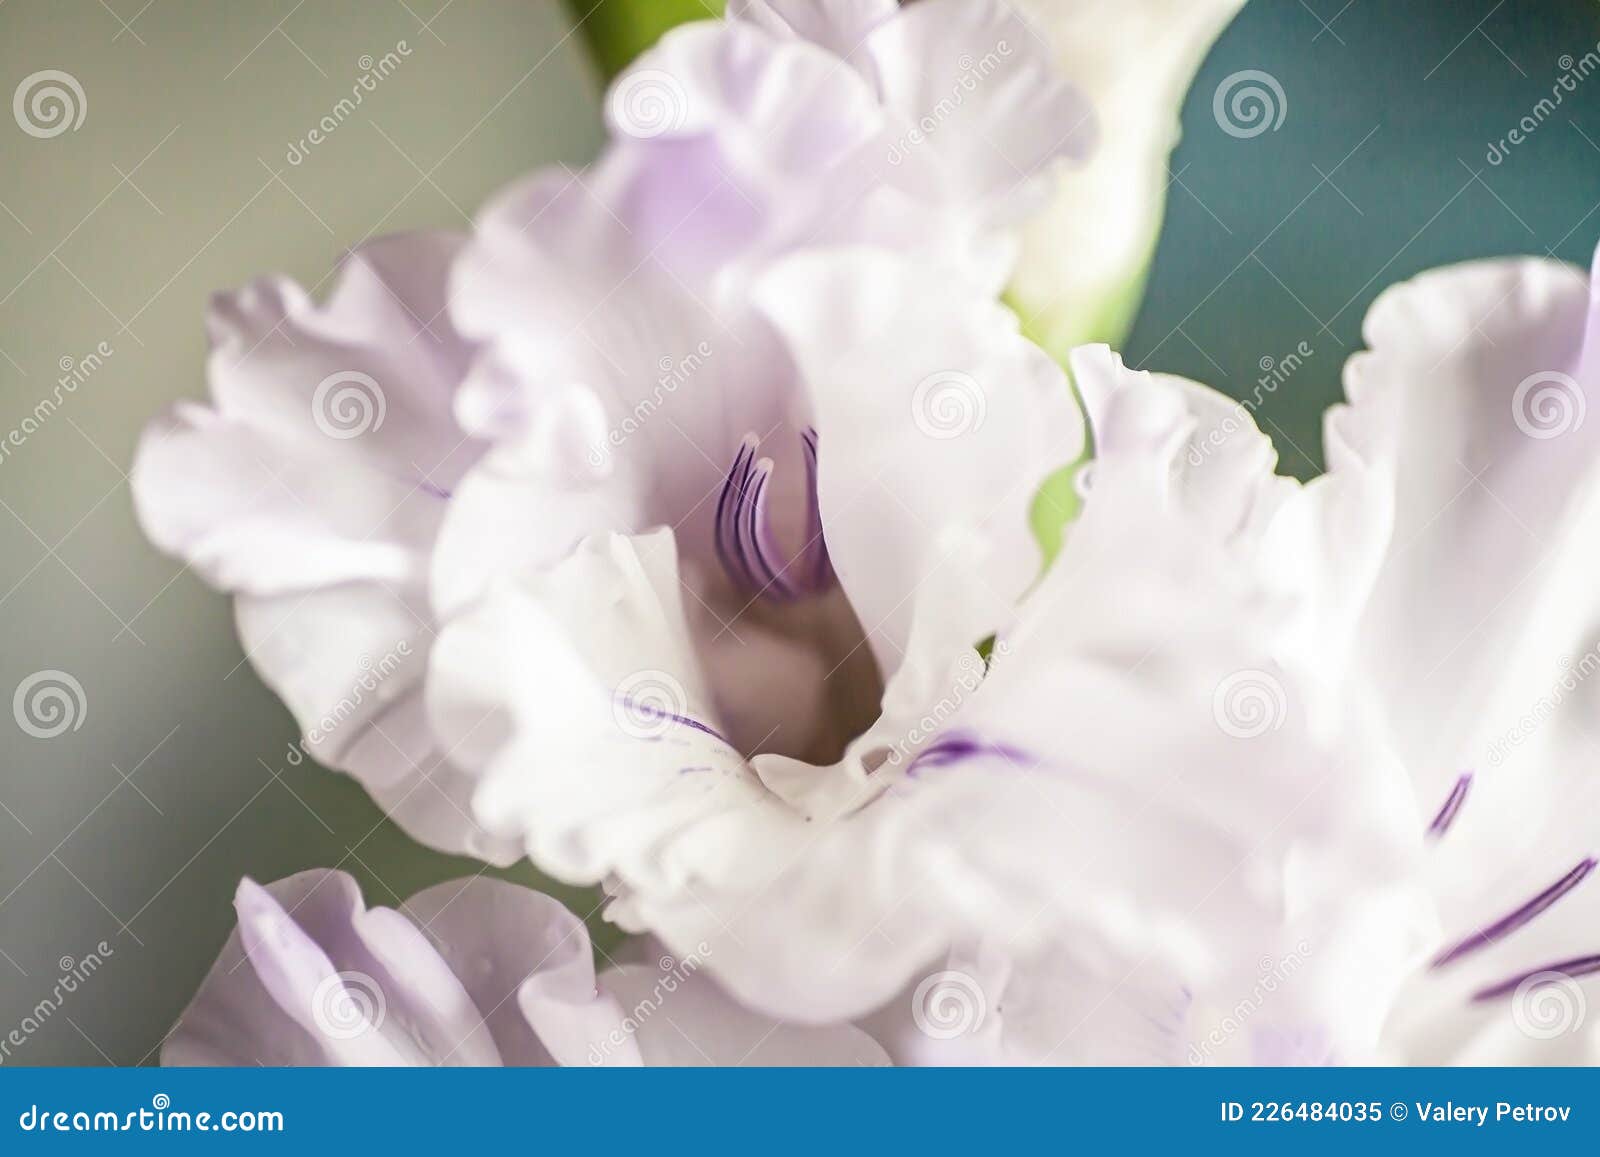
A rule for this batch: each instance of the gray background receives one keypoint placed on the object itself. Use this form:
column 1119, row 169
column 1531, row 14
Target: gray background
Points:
column 134, row 828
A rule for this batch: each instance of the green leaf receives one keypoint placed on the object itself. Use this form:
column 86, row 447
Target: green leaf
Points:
column 617, row 31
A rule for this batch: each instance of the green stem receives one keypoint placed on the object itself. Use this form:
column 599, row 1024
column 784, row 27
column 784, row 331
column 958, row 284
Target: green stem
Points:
column 617, row 31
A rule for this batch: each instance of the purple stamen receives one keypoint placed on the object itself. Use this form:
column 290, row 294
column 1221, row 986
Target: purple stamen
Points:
column 1514, row 920
column 746, row 544
column 1578, row 966
column 1452, row 804
column 963, row 745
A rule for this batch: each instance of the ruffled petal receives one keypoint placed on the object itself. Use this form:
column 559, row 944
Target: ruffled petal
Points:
column 982, row 114
column 1470, row 410
column 937, row 423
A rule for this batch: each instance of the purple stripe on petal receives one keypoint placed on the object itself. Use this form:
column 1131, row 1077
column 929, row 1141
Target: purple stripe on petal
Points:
column 1571, row 969
column 959, row 746
column 651, row 711
column 1515, row 919
column 1452, row 804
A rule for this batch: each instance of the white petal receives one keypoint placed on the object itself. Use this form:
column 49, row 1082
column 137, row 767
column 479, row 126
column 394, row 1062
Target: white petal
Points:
column 1084, row 256
column 937, row 424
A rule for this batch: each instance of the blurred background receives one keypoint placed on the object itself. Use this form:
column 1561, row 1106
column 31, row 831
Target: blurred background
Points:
column 122, row 838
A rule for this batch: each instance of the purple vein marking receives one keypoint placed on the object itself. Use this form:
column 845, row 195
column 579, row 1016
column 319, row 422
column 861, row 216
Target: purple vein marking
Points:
column 1578, row 966
column 963, row 745
column 1452, row 804
column 1515, row 919
column 653, row 712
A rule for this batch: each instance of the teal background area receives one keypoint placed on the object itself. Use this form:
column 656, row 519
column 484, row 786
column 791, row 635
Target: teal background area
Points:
column 1379, row 170
column 133, row 829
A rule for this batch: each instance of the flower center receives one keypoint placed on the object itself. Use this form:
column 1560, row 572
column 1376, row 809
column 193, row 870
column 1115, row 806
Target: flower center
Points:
column 747, row 544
